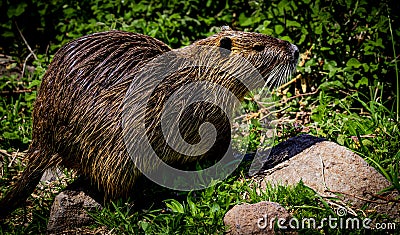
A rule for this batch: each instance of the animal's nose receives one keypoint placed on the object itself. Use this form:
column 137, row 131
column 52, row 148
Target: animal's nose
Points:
column 296, row 53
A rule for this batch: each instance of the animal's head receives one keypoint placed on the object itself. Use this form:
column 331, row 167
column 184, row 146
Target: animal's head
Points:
column 275, row 59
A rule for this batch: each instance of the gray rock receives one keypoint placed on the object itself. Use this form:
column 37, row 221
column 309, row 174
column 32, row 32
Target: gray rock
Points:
column 68, row 211
column 256, row 218
column 51, row 175
column 334, row 171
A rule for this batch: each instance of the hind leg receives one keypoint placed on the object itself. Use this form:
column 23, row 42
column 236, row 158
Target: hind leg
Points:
column 27, row 182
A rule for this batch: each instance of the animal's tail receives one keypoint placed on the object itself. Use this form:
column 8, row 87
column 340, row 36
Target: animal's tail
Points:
column 23, row 188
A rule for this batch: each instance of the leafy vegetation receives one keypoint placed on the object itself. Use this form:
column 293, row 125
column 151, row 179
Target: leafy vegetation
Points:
column 346, row 90
column 202, row 212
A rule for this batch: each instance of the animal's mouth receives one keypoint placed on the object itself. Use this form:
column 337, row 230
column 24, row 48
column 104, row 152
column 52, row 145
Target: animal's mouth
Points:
column 278, row 68
column 278, row 74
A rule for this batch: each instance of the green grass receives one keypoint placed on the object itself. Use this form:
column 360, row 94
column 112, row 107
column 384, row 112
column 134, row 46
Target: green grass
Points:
column 397, row 73
column 201, row 212
column 18, row 94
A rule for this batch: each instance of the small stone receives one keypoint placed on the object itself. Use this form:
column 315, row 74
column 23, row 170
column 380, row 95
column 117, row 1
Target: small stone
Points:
column 69, row 211
column 258, row 218
column 51, row 175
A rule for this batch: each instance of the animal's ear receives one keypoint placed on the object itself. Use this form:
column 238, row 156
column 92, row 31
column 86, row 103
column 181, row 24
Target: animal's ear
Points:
column 258, row 47
column 225, row 43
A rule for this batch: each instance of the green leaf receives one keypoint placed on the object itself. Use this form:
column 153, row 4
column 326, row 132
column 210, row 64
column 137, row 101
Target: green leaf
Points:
column 366, row 67
column 325, row 49
column 286, row 38
column 192, row 206
column 340, row 139
column 17, row 11
column 215, row 207
column 8, row 34
column 318, row 29
column 144, row 225
column 10, row 135
column 331, row 85
column 302, row 38
column 279, row 29
column 291, row 23
column 175, row 206
column 367, row 142
column 353, row 62
column 34, row 83
column 362, row 81
column 244, row 20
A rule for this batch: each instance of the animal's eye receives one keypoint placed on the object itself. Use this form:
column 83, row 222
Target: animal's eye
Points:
column 258, row 47
column 225, row 43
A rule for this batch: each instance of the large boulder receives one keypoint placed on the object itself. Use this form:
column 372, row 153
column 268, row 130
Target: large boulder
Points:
column 335, row 171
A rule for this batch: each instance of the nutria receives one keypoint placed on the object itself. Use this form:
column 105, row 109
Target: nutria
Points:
column 78, row 110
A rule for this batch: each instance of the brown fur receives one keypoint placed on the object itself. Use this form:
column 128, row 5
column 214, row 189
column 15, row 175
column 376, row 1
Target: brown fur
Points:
column 78, row 111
